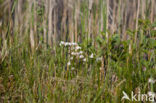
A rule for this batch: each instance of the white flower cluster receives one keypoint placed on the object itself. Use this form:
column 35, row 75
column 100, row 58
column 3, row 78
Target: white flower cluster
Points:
column 76, row 53
column 62, row 43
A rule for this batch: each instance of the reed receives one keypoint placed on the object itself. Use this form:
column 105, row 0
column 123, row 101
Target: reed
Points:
column 65, row 20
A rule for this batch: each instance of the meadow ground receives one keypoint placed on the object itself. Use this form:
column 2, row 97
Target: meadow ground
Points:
column 77, row 51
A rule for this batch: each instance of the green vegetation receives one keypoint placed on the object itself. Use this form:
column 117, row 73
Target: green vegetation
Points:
column 97, row 63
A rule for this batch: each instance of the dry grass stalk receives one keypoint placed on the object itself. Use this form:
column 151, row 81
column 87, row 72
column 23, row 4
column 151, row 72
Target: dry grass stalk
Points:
column 66, row 24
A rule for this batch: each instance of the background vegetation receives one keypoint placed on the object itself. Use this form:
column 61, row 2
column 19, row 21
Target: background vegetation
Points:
column 114, row 42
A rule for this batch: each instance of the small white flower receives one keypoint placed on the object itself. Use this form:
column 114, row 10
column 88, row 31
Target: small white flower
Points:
column 78, row 47
column 81, row 52
column 69, row 44
column 71, row 58
column 73, row 53
column 99, row 59
column 92, row 55
column 81, row 56
column 74, row 44
column 151, row 80
column 151, row 93
column 66, row 44
column 84, row 59
column 62, row 43
column 72, row 68
column 69, row 63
